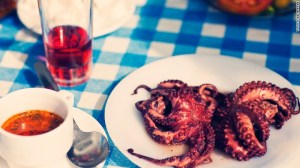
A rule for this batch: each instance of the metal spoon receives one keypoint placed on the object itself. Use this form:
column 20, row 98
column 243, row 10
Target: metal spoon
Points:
column 89, row 148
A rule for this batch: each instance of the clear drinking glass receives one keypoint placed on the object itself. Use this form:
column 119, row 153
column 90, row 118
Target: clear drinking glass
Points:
column 67, row 35
column 7, row 6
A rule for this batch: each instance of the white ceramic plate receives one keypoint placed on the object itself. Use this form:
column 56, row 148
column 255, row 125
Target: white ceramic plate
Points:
column 126, row 128
column 86, row 123
column 108, row 16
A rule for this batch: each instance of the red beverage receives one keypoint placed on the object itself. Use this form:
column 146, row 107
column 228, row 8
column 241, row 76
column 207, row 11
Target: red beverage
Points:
column 69, row 54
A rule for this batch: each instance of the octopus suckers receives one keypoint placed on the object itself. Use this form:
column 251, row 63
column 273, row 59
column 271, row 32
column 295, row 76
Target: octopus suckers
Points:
column 201, row 117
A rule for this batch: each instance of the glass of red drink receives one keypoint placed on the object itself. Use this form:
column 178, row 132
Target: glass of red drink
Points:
column 67, row 36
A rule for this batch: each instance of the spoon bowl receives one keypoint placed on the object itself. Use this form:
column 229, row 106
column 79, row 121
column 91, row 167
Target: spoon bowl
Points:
column 89, row 148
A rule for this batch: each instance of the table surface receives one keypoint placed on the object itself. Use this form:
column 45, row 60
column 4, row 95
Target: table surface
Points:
column 158, row 29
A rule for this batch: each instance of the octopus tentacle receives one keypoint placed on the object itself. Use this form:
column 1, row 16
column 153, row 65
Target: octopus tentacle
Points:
column 201, row 146
column 271, row 111
column 249, row 118
column 227, row 140
column 212, row 105
column 265, row 108
column 224, row 104
column 141, row 87
column 173, row 120
column 279, row 120
column 208, row 93
column 181, row 160
column 208, row 90
column 162, row 87
column 156, row 110
column 170, row 84
column 210, row 144
column 264, row 93
column 177, row 113
column 244, row 116
column 288, row 92
column 284, row 98
column 236, row 135
column 248, row 136
column 143, row 106
column 294, row 101
column 298, row 103
column 164, row 136
column 251, row 85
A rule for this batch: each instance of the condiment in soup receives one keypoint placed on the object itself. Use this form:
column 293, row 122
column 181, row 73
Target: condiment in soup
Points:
column 32, row 122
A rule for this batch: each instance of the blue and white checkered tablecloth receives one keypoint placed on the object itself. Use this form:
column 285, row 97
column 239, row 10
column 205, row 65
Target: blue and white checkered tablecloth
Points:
column 158, row 29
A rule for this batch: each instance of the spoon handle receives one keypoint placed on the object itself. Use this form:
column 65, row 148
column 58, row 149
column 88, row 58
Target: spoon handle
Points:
column 94, row 146
column 45, row 76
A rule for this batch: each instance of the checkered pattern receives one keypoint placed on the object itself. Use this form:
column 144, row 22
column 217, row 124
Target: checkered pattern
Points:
column 159, row 29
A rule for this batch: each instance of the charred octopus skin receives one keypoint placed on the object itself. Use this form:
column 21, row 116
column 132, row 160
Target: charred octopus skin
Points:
column 243, row 117
column 277, row 104
column 177, row 113
column 237, row 123
column 243, row 133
